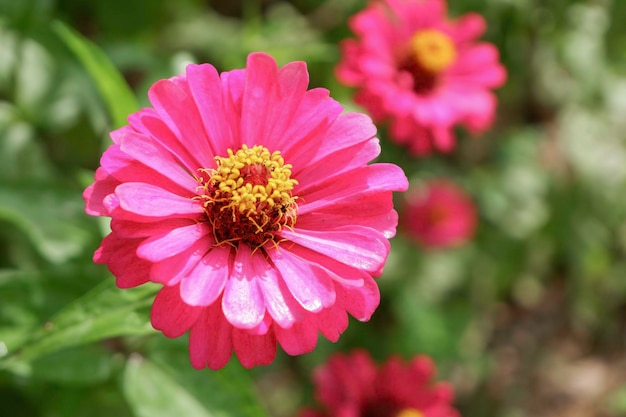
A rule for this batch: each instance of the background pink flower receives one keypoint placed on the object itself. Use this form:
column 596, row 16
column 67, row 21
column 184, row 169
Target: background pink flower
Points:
column 422, row 72
column 438, row 214
column 249, row 198
column 352, row 385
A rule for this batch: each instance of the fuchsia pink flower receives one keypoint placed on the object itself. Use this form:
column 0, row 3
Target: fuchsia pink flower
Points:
column 250, row 199
column 422, row 72
column 353, row 386
column 438, row 214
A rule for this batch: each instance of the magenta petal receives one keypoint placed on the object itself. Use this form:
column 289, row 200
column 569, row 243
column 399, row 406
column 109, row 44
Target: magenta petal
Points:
column 152, row 201
column 170, row 314
column 279, row 302
column 131, row 229
column 171, row 271
column 150, row 154
column 332, row 322
column 360, row 247
column 177, row 109
column 243, row 300
column 119, row 255
column 309, row 285
column 253, row 350
column 300, row 338
column 361, row 301
column 374, row 178
column 210, row 340
column 204, row 283
column 205, row 86
column 95, row 194
column 259, row 87
column 175, row 240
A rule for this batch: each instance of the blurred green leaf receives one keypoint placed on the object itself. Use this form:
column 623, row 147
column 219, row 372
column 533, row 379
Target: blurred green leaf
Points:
column 116, row 93
column 79, row 366
column 104, row 312
column 157, row 389
column 50, row 215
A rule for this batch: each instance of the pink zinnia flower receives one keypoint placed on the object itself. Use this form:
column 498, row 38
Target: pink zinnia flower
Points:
column 422, row 71
column 353, row 386
column 438, row 214
column 250, row 199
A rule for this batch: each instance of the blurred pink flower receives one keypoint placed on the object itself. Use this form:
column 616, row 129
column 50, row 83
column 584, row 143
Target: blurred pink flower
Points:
column 250, row 199
column 421, row 71
column 438, row 214
column 353, row 386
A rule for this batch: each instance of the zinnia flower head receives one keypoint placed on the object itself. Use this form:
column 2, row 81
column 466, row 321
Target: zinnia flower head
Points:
column 422, row 72
column 249, row 198
column 438, row 214
column 352, row 385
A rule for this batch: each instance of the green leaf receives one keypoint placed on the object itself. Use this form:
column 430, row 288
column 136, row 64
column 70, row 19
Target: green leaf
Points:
column 153, row 393
column 169, row 386
column 77, row 366
column 104, row 312
column 51, row 216
column 118, row 96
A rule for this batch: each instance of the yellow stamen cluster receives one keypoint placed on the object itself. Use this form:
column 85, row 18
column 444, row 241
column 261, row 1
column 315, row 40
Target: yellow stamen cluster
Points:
column 432, row 50
column 409, row 412
column 248, row 196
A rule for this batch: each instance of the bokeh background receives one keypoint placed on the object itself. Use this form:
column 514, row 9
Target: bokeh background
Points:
column 526, row 319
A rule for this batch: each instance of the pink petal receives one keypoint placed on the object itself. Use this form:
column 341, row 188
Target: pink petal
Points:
column 171, row 271
column 172, row 242
column 170, row 314
column 305, row 133
column 469, row 26
column 373, row 178
column 332, row 322
column 360, row 247
column 206, row 89
column 310, row 286
column 95, row 194
column 360, row 302
column 300, row 338
column 204, row 283
column 279, row 302
column 119, row 255
column 292, row 82
column 148, row 122
column 233, row 86
column 254, row 350
column 152, row 155
column 339, row 162
column 131, row 229
column 243, row 299
column 261, row 70
column 177, row 109
column 152, row 201
column 210, row 340
column 385, row 223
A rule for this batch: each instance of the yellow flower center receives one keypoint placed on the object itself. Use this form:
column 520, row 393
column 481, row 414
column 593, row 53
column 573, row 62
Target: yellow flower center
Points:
column 248, row 196
column 432, row 50
column 409, row 412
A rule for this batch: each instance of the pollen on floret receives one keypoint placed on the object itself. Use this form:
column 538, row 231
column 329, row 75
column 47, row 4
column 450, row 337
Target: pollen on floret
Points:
column 432, row 50
column 248, row 196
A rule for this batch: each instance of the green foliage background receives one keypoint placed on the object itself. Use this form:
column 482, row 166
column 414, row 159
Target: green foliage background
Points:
column 527, row 319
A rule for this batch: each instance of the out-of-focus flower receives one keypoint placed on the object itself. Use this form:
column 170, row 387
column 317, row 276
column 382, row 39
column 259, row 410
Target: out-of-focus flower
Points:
column 353, row 386
column 250, row 199
column 438, row 214
column 421, row 71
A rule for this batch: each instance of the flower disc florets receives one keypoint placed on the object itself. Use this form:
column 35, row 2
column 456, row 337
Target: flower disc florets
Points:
column 248, row 196
column 428, row 53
